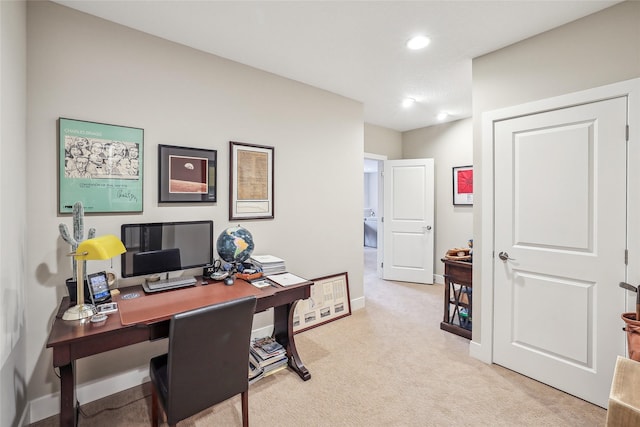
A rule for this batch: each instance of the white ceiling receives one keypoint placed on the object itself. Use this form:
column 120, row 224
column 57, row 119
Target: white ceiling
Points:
column 354, row 48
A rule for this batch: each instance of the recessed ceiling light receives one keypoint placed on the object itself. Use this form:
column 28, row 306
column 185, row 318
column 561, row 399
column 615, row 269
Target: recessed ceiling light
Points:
column 443, row 115
column 418, row 42
column 408, row 102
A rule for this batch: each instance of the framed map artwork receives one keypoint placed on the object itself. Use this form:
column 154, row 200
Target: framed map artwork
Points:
column 250, row 181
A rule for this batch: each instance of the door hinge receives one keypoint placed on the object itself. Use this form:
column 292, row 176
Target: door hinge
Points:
column 627, row 133
column 626, row 257
column 382, row 265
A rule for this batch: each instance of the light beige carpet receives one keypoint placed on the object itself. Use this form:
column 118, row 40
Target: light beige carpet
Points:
column 386, row 365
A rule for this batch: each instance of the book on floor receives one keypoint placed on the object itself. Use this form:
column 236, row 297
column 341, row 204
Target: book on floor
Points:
column 267, row 348
column 255, row 370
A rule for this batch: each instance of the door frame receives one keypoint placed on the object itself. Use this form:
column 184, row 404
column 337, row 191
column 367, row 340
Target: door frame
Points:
column 380, row 209
column 481, row 345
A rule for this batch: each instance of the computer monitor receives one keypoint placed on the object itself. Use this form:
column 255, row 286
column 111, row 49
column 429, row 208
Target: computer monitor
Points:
column 163, row 247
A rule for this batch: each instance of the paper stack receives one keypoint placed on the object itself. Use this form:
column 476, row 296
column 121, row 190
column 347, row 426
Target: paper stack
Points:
column 269, row 264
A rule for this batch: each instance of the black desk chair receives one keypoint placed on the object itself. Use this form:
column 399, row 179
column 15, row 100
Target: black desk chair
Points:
column 207, row 362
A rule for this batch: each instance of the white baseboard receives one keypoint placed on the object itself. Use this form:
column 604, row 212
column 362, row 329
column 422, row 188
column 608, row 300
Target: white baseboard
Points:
column 480, row 352
column 438, row 278
column 357, row 304
column 47, row 406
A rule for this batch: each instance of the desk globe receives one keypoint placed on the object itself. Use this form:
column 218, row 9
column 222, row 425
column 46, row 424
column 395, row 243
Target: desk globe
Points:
column 235, row 245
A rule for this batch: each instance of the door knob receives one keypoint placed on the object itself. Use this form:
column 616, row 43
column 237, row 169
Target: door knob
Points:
column 505, row 256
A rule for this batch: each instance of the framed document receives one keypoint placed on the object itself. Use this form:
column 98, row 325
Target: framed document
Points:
column 250, row 181
column 99, row 165
column 329, row 301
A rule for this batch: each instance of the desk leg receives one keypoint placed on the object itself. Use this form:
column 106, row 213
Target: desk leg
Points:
column 283, row 333
column 68, row 415
column 447, row 298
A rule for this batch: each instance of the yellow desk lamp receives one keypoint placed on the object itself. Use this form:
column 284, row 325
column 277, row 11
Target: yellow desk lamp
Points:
column 103, row 247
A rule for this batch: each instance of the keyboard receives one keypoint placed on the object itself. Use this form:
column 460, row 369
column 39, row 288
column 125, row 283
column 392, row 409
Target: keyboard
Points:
column 171, row 283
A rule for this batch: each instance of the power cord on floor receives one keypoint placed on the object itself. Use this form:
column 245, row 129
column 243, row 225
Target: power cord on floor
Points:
column 79, row 410
column 113, row 408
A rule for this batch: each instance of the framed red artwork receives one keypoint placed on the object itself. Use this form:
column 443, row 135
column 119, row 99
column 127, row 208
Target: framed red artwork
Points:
column 463, row 185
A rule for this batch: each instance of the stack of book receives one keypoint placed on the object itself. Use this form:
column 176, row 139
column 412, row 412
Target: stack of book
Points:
column 255, row 371
column 269, row 264
column 267, row 356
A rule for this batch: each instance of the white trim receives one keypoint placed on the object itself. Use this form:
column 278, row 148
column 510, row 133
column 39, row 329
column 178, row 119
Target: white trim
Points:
column 380, row 208
column 477, row 352
column 438, row 279
column 484, row 350
column 375, row 156
column 357, row 304
column 633, row 185
column 48, row 406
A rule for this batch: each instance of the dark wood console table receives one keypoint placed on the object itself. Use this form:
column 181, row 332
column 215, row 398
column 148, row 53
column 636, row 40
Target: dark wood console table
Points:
column 457, row 297
column 72, row 340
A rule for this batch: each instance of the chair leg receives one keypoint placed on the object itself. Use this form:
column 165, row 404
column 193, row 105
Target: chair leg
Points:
column 154, row 406
column 245, row 408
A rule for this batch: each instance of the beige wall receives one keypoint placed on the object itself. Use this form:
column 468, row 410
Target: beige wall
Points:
column 86, row 68
column 382, row 141
column 593, row 51
column 13, row 203
column 449, row 144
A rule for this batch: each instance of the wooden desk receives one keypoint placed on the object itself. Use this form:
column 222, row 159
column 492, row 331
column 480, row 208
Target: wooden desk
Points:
column 73, row 340
column 457, row 296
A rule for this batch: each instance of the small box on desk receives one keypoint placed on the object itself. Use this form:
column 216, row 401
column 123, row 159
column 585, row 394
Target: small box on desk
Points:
column 249, row 277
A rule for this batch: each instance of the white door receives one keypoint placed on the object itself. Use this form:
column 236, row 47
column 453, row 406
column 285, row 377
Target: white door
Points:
column 560, row 240
column 408, row 220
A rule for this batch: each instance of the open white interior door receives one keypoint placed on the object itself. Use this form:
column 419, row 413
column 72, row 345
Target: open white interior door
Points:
column 560, row 240
column 408, row 220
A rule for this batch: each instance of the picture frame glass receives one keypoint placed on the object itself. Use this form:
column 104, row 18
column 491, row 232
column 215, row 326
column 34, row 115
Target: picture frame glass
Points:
column 329, row 301
column 463, row 185
column 251, row 184
column 99, row 165
column 187, row 174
